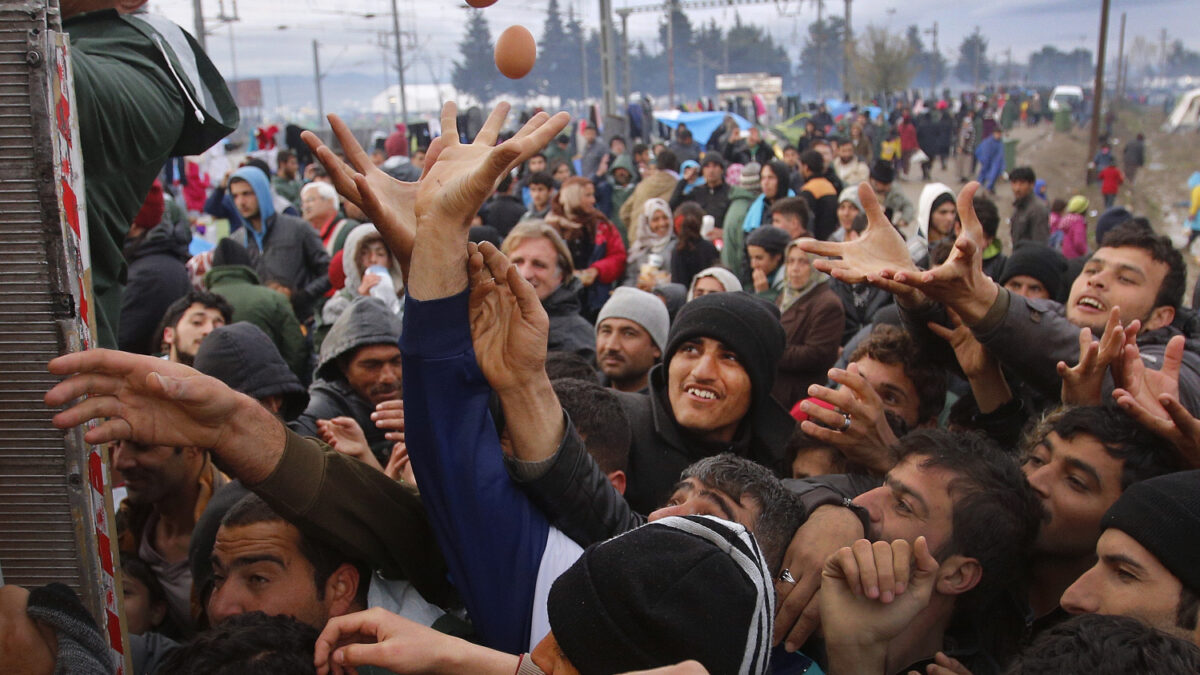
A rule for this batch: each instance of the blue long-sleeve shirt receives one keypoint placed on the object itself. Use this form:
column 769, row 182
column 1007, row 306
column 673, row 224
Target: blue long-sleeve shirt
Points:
column 501, row 552
column 990, row 154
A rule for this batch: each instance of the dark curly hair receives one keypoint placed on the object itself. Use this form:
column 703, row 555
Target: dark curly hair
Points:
column 247, row 644
column 891, row 345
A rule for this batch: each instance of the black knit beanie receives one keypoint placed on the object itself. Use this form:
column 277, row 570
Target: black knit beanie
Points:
column 771, row 239
column 680, row 588
column 82, row 649
column 1110, row 219
column 739, row 321
column 1039, row 261
column 1163, row 515
column 230, row 252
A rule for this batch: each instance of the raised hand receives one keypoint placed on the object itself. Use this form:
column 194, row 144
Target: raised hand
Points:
column 399, row 466
column 155, row 402
column 388, row 202
column 980, row 368
column 880, row 248
column 509, row 326
column 959, row 283
column 1083, row 383
column 1141, row 387
column 389, row 416
column 344, row 435
column 857, row 428
column 870, row 593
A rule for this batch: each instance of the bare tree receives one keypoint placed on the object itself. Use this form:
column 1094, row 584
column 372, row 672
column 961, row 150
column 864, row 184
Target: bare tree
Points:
column 883, row 61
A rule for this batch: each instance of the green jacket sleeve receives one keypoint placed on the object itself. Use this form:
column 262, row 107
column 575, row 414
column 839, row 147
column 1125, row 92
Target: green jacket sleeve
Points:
column 291, row 339
column 358, row 509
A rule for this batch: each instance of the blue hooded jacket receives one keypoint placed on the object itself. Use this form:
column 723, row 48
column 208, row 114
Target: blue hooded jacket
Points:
column 262, row 190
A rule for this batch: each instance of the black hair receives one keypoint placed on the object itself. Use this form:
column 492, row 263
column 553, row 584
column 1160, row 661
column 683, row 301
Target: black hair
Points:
column 683, row 133
column 283, row 156
column 794, row 206
column 1058, row 205
column 1187, row 611
column 134, row 567
column 782, row 173
column 638, row 149
column 247, row 644
column 813, row 160
column 995, row 521
column 1023, row 174
column 542, row 178
column 666, row 161
column 1144, row 454
column 988, row 214
column 891, row 345
column 617, row 137
column 324, row 558
column 176, row 310
column 690, row 217
column 569, row 364
column 505, row 183
column 1160, row 248
column 600, row 420
column 258, row 164
column 1103, row 644
column 781, row 511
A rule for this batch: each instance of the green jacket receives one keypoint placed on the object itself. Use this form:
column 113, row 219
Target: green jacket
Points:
column 733, row 253
column 144, row 91
column 288, row 189
column 264, row 308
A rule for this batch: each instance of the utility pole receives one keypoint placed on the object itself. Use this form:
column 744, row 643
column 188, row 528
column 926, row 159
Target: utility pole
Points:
column 626, row 85
column 1098, row 87
column 382, row 39
column 583, row 68
column 230, row 19
column 399, row 61
column 608, row 67
column 1163, row 53
column 317, row 79
column 937, row 74
column 847, row 51
column 1120, row 62
column 198, row 23
column 671, row 5
column 820, row 46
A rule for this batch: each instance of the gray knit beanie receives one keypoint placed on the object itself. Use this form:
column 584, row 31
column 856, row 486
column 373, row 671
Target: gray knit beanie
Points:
column 640, row 307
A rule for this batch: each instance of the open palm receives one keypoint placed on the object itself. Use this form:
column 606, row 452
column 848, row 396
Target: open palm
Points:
column 879, row 249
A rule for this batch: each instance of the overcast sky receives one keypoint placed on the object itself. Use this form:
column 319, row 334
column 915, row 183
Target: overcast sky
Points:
column 434, row 27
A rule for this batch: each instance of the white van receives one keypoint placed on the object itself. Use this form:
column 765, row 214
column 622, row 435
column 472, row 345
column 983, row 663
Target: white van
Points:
column 1063, row 96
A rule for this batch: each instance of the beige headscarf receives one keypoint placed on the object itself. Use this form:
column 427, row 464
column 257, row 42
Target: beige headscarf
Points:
column 790, row 295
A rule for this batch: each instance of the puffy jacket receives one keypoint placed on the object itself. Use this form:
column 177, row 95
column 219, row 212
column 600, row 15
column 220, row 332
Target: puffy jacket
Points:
column 569, row 331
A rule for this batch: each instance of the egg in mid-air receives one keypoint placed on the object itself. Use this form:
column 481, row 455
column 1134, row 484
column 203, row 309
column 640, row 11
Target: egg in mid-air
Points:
column 515, row 52
column 480, row 4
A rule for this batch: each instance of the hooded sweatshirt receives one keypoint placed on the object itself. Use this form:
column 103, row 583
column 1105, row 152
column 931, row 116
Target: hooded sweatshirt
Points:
column 918, row 245
column 365, row 322
column 285, row 249
column 728, row 279
column 345, row 295
column 243, row 357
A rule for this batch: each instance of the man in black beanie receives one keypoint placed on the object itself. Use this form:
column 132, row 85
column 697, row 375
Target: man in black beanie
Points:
column 1149, row 558
column 882, row 177
column 1034, row 271
column 711, row 394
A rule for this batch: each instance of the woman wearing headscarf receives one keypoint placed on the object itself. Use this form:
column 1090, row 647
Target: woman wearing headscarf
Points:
column 652, row 246
column 765, row 248
column 848, row 208
column 595, row 244
column 713, row 280
column 812, row 318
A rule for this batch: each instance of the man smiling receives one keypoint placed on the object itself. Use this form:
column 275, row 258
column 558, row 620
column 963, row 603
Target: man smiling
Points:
column 712, row 394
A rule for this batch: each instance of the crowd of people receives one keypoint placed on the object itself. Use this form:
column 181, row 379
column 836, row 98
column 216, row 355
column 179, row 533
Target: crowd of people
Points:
column 501, row 406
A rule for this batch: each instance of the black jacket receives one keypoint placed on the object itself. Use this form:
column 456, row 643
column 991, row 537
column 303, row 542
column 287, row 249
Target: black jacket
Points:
column 569, row 331
column 502, row 212
column 714, row 201
column 335, row 398
column 157, row 277
column 291, row 254
column 861, row 302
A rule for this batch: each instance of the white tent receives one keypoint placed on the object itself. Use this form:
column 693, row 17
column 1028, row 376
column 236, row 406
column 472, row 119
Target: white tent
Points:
column 1186, row 114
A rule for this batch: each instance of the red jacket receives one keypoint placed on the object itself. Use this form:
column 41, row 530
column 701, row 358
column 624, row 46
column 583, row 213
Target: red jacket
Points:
column 1110, row 180
column 609, row 256
column 908, row 136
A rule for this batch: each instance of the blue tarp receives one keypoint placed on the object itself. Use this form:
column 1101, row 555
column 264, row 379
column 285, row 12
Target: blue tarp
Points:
column 701, row 124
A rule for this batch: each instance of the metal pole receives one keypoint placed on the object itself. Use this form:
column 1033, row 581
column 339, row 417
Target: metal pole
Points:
column 820, row 45
column 399, row 61
column 317, row 80
column 198, row 23
column 1098, row 87
column 847, row 51
column 627, row 85
column 1120, row 62
column 671, row 52
column 608, row 66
